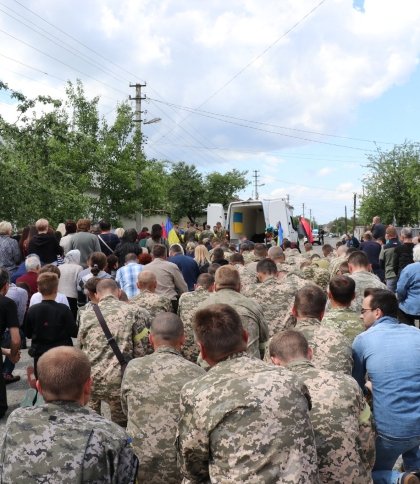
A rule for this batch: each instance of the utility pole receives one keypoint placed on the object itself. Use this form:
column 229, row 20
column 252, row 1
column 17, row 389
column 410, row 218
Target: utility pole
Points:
column 345, row 219
column 303, row 210
column 256, row 184
column 138, row 112
column 310, row 218
column 354, row 212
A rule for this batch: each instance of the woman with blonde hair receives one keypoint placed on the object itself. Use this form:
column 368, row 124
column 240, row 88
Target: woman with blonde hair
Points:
column 201, row 256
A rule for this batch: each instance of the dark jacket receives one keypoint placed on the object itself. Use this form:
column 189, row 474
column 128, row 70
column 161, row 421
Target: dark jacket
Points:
column 46, row 247
column 188, row 267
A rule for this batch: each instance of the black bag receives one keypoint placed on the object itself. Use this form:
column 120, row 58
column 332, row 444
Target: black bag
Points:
column 111, row 340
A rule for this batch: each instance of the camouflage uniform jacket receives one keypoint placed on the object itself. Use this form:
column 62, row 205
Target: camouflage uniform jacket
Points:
column 344, row 320
column 63, row 442
column 246, row 422
column 150, row 397
column 275, row 298
column 152, row 302
column 332, row 350
column 188, row 305
column 342, row 424
column 321, row 277
column 247, row 278
column 335, row 264
column 128, row 324
column 364, row 280
column 251, row 314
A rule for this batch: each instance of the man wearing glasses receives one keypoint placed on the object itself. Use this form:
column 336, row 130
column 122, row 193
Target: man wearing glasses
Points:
column 389, row 353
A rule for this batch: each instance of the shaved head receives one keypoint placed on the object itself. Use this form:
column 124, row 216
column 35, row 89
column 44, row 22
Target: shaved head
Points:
column 167, row 327
column 105, row 287
column 227, row 277
column 275, row 253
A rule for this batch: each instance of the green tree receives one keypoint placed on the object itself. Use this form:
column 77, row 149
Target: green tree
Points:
column 186, row 192
column 391, row 188
column 224, row 188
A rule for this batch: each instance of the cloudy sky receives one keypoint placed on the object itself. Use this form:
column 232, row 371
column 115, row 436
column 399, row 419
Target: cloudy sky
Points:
column 300, row 90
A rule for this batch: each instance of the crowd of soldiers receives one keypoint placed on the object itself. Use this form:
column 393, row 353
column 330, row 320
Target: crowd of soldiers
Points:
column 264, row 371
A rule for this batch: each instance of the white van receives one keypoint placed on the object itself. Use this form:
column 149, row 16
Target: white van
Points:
column 251, row 218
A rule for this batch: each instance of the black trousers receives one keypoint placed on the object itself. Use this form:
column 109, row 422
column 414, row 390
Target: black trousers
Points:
column 3, row 395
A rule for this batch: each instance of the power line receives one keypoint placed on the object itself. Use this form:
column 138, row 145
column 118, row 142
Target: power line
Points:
column 60, row 61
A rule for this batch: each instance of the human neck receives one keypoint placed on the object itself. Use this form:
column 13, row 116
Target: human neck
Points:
column 49, row 297
column 335, row 304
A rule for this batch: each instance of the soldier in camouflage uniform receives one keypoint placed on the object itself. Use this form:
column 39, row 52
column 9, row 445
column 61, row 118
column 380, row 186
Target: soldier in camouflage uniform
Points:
column 150, row 397
column 243, row 421
column 188, row 304
column 336, row 261
column 339, row 315
column 321, row 277
column 342, row 420
column 128, row 324
column 360, row 272
column 227, row 287
column 260, row 253
column 147, row 298
column 62, row 441
column 332, row 350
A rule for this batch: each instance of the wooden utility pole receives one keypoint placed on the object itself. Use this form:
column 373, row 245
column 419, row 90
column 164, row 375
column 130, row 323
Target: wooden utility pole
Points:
column 345, row 219
column 354, row 212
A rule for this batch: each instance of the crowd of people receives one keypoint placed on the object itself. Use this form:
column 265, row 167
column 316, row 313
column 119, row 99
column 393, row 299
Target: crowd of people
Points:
column 217, row 362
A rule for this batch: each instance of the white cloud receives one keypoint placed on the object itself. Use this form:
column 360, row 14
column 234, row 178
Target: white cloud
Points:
column 325, row 171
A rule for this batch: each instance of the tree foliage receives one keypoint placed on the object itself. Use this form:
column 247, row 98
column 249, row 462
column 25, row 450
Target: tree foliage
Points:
column 391, row 188
column 223, row 188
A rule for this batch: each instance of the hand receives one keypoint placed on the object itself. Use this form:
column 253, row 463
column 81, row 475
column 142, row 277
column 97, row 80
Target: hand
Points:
column 368, row 385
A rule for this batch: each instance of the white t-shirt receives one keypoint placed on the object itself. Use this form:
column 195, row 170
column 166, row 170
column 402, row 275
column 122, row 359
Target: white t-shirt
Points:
column 37, row 298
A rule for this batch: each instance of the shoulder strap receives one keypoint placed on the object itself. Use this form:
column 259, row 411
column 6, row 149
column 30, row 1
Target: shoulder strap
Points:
column 105, row 244
column 110, row 339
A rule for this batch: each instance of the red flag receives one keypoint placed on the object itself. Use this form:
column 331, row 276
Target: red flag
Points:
column 307, row 229
column 164, row 234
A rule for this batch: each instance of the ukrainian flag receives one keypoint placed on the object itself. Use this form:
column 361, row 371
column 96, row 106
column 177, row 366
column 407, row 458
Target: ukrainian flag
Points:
column 238, row 222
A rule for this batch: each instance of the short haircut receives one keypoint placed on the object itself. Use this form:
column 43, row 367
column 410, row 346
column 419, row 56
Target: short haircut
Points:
column 62, row 372
column 91, row 283
column 159, row 250
column 4, row 277
column 111, row 262
column 307, row 244
column 205, row 280
column 42, row 224
column 327, row 249
column 146, row 278
column 104, row 225
column 176, row 249
column 50, row 268
column 167, row 327
column 47, row 283
column 260, row 250
column 368, row 235
column 358, row 259
column 213, row 268
column 310, row 302
column 383, row 299
column 145, row 258
column 219, row 329
column 287, row 244
column 5, row 228
column 407, row 233
column 267, row 266
column 344, row 268
column 246, row 246
column 237, row 259
column 218, row 253
column 32, row 262
column 227, row 277
column 83, row 225
column 391, row 231
column 416, row 253
column 288, row 345
column 131, row 257
column 106, row 285
column 342, row 289
column 275, row 252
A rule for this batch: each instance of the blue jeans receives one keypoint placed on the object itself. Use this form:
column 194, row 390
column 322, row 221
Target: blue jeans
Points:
column 388, row 450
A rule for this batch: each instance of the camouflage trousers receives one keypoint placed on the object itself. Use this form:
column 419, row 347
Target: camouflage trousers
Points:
column 114, row 402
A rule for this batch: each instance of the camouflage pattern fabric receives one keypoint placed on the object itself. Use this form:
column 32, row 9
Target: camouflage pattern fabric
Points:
column 335, row 264
column 251, row 314
column 364, row 280
column 293, row 257
column 342, row 421
column 150, row 397
column 63, row 442
column 321, row 277
column 246, row 422
column 249, row 256
column 332, row 350
column 128, row 324
column 188, row 304
column 152, row 302
column 276, row 300
column 344, row 320
column 247, row 278
column 323, row 263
